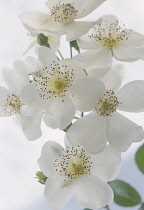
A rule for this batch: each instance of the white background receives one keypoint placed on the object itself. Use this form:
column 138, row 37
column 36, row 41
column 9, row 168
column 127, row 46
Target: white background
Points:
column 19, row 189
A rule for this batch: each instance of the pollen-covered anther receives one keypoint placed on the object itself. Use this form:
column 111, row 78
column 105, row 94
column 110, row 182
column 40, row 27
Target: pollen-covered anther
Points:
column 110, row 35
column 107, row 104
column 73, row 163
column 12, row 105
column 53, row 82
column 64, row 13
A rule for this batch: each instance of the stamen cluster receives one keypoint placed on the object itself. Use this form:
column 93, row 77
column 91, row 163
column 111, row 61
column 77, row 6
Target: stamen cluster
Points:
column 74, row 162
column 110, row 35
column 12, row 105
column 64, row 13
column 107, row 104
column 53, row 82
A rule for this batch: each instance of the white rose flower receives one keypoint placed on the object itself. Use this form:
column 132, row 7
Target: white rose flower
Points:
column 61, row 18
column 75, row 171
column 58, row 85
column 107, row 124
column 111, row 39
column 11, row 103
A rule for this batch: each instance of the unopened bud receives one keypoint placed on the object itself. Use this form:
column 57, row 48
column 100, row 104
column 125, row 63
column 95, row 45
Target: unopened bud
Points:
column 42, row 40
column 41, row 177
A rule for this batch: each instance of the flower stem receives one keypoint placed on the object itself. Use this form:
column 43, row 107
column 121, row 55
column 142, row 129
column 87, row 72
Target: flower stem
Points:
column 107, row 207
column 71, row 51
column 60, row 54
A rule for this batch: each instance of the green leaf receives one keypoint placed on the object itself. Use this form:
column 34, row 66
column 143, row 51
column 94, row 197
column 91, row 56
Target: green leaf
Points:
column 124, row 194
column 139, row 158
column 42, row 40
column 75, row 45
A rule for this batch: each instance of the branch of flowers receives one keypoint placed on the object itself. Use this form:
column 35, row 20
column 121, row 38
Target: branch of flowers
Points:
column 60, row 54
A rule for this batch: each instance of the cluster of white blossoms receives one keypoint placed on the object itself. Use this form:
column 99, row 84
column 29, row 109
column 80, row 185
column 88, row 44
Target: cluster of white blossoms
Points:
column 55, row 90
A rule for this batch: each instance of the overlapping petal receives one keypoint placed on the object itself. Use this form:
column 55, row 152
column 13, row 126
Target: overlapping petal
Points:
column 86, row 93
column 93, row 193
column 122, row 132
column 58, row 191
column 89, row 131
column 98, row 58
column 106, row 165
column 77, row 28
column 31, row 126
column 41, row 21
column 132, row 97
column 58, row 113
column 50, row 152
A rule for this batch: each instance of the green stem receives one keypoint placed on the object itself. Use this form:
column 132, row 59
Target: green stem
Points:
column 76, row 118
column 60, row 54
column 71, row 51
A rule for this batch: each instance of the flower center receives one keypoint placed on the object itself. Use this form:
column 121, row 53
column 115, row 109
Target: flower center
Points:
column 73, row 163
column 110, row 36
column 54, row 82
column 107, row 104
column 12, row 105
column 64, row 13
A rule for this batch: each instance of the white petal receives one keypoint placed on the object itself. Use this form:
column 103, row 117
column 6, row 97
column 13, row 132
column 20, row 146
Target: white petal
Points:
column 58, row 191
column 59, row 114
column 77, row 29
column 132, row 97
column 32, row 102
column 86, row 93
column 90, row 132
column 128, row 54
column 3, row 98
column 93, row 193
column 32, row 65
column 32, row 108
column 114, row 78
column 98, row 72
column 106, row 165
column 29, row 94
column 32, row 126
column 41, row 21
column 16, row 78
column 122, row 132
column 98, row 58
column 135, row 39
column 46, row 56
column 50, row 152
column 86, row 7
column 54, row 43
column 21, row 73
